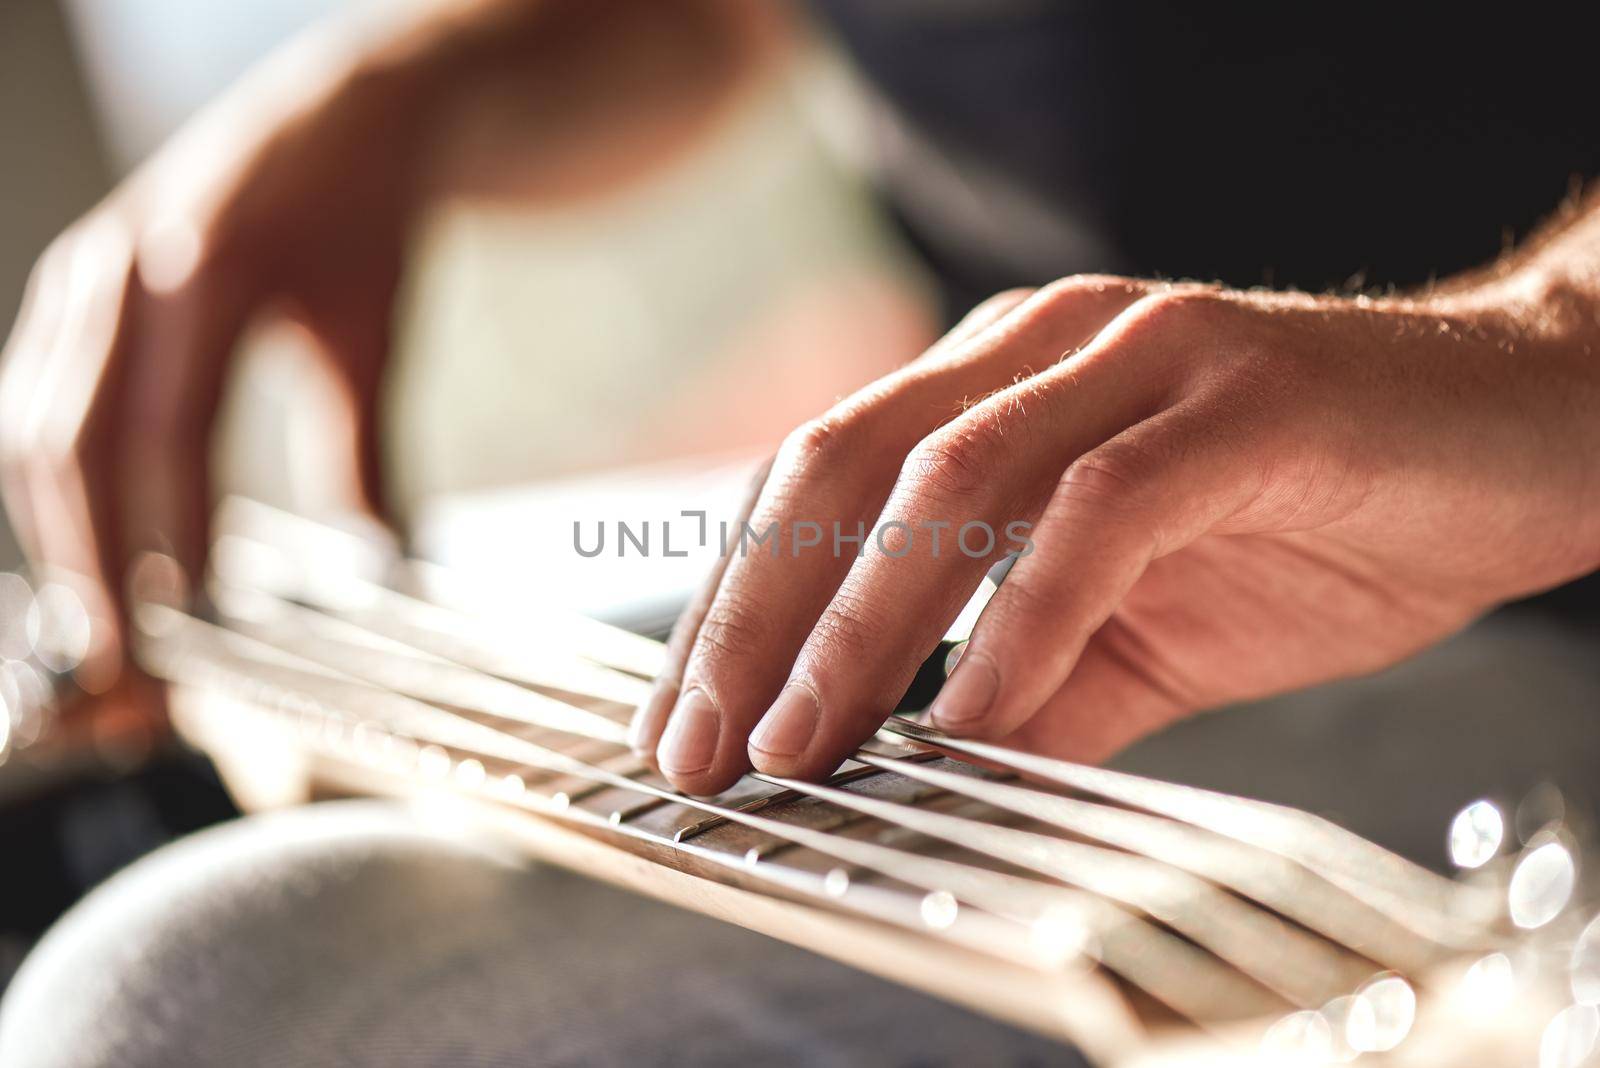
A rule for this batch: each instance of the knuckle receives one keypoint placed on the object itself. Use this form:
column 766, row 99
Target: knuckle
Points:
column 1110, row 477
column 1007, row 622
column 175, row 255
column 818, row 445
column 959, row 461
column 1076, row 287
column 1067, row 300
column 850, row 623
column 730, row 631
column 1004, row 299
column 1183, row 309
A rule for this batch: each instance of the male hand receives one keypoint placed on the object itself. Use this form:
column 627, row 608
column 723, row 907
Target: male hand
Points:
column 1231, row 494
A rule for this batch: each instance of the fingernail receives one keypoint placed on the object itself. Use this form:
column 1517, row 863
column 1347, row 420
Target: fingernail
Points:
column 787, row 727
column 967, row 694
column 648, row 714
column 690, row 743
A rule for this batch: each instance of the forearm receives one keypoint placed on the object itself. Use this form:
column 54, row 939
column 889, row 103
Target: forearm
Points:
column 1550, row 285
column 518, row 97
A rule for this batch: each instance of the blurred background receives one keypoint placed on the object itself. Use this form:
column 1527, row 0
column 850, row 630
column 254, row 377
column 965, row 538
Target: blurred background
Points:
column 737, row 266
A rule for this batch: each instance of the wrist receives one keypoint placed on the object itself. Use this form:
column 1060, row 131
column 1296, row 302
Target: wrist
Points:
column 1533, row 329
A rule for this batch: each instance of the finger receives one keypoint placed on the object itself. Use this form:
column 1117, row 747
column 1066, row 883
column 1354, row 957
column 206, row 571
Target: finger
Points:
column 1148, row 665
column 991, row 469
column 71, row 428
column 651, row 717
column 1107, row 703
column 977, row 321
column 839, row 470
column 354, row 335
column 1149, row 491
column 175, row 377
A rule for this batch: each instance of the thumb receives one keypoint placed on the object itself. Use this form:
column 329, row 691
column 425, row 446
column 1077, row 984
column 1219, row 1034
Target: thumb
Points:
column 1147, row 492
column 354, row 337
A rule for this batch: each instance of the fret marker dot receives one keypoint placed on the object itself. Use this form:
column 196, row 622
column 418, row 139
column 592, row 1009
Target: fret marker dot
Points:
column 939, row 909
column 559, row 801
column 470, row 773
column 752, row 857
column 836, row 883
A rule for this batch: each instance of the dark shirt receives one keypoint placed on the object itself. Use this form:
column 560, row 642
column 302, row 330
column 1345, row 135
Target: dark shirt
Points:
column 1288, row 145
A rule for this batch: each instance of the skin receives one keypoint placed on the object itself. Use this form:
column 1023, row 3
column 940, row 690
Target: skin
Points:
column 1233, row 493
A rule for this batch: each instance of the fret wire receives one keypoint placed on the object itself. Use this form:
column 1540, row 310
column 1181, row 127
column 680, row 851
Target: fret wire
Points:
column 772, row 849
column 619, row 816
column 591, row 790
column 710, row 822
column 1267, row 877
column 842, row 777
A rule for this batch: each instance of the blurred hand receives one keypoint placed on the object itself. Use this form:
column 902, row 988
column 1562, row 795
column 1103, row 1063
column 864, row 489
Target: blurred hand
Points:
column 115, row 367
column 1230, row 493
column 294, row 195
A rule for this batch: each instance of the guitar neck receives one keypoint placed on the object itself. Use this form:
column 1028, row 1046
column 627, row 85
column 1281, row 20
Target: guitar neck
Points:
column 1125, row 915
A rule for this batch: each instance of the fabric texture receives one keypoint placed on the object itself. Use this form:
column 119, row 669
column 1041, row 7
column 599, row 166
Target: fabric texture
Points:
column 350, row 933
